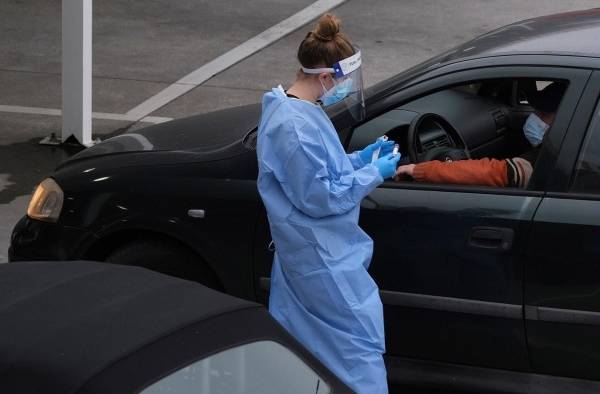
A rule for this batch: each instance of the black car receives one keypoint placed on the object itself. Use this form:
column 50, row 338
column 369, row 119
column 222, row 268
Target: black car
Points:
column 86, row 327
column 484, row 287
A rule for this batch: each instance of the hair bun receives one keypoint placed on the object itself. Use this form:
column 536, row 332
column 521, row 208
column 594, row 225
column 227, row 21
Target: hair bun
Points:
column 325, row 45
column 327, row 27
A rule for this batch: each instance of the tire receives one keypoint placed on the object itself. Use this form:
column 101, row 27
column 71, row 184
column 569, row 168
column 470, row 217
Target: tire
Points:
column 167, row 258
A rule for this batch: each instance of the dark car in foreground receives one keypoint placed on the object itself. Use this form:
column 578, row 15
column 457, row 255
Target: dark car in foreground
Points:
column 485, row 288
column 87, row 327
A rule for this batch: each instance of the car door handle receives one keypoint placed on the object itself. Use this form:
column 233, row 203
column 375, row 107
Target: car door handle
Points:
column 499, row 238
column 197, row 213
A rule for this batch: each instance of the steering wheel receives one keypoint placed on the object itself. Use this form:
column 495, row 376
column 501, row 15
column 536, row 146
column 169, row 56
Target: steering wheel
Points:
column 456, row 151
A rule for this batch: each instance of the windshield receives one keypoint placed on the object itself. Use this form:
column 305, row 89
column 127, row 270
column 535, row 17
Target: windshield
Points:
column 393, row 84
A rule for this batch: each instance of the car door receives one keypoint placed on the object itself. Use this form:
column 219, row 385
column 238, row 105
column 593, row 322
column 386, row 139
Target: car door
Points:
column 447, row 258
column 562, row 263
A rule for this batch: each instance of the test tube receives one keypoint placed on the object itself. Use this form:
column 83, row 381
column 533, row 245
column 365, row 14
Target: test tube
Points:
column 396, row 149
column 376, row 151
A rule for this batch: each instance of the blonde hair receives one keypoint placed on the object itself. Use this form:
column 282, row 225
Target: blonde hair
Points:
column 325, row 45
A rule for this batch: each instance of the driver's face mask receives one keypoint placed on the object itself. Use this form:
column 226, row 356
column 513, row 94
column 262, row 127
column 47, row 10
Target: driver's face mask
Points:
column 534, row 129
column 337, row 93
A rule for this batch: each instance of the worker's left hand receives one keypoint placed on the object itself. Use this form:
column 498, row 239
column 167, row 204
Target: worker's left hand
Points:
column 386, row 147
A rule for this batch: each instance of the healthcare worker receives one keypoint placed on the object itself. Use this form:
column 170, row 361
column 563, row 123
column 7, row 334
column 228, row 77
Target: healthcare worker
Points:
column 321, row 291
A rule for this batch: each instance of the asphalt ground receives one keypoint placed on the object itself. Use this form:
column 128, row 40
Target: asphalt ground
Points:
column 141, row 48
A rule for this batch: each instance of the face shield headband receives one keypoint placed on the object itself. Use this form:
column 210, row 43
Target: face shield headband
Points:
column 348, row 84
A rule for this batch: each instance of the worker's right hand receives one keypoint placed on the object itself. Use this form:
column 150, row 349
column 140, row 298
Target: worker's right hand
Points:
column 387, row 165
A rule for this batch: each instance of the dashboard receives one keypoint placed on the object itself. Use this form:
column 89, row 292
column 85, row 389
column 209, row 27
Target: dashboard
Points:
column 452, row 119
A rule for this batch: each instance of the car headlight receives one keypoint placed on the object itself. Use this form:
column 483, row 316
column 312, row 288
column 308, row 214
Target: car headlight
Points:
column 47, row 201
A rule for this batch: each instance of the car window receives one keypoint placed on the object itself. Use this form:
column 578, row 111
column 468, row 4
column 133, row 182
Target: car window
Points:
column 263, row 367
column 587, row 174
column 471, row 88
column 524, row 86
column 477, row 119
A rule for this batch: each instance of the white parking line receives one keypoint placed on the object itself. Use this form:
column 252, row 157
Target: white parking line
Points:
column 232, row 57
column 96, row 115
column 30, row 110
column 202, row 74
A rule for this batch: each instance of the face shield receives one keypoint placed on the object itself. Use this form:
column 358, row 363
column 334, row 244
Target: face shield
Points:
column 347, row 84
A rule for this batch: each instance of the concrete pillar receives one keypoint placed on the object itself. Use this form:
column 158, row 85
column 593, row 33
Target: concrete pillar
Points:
column 77, row 70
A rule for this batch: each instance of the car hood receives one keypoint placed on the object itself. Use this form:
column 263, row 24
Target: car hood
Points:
column 201, row 133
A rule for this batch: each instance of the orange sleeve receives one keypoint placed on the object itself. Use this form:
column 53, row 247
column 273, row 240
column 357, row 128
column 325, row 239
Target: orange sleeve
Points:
column 482, row 172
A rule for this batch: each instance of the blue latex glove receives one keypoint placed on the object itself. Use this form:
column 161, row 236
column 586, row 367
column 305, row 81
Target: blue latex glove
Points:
column 386, row 147
column 387, row 165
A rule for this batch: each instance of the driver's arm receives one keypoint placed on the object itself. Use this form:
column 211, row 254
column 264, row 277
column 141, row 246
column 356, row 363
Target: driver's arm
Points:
column 482, row 172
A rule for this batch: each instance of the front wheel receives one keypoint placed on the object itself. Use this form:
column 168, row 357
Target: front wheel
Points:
column 167, row 258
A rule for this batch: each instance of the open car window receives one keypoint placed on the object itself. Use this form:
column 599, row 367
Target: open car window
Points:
column 263, row 367
column 483, row 119
column 525, row 86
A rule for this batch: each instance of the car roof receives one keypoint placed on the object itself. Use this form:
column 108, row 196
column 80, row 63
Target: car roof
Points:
column 64, row 322
column 571, row 33
column 556, row 36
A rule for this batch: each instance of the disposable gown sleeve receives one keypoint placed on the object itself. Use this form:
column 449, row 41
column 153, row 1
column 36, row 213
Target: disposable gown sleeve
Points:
column 355, row 160
column 314, row 189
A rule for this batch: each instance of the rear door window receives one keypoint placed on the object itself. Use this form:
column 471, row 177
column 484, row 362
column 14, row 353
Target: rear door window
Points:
column 587, row 173
column 263, row 367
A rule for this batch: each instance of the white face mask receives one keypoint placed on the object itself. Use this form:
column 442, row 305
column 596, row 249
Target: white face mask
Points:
column 535, row 129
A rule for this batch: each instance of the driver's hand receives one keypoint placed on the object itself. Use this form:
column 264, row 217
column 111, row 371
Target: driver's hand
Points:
column 403, row 171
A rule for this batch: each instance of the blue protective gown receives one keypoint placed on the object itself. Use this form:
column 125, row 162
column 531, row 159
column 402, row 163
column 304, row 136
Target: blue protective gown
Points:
column 321, row 291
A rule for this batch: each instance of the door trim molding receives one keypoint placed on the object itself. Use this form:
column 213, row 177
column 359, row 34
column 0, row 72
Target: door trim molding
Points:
column 559, row 315
column 451, row 304
column 438, row 303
